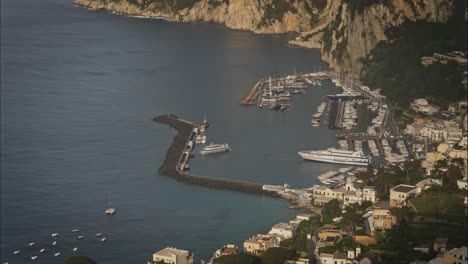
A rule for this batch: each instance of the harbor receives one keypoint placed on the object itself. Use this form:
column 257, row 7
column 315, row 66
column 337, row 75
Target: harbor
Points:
column 278, row 93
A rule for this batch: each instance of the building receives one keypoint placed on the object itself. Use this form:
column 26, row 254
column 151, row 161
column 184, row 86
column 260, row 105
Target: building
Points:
column 284, row 230
column 340, row 257
column 462, row 184
column 429, row 182
column 322, row 194
column 351, row 193
column 400, row 194
column 172, row 255
column 458, row 153
column 422, row 105
column 329, row 231
column 440, row 244
column 453, row 256
column 258, row 244
column 383, row 219
column 226, row 250
column 443, row 148
column 369, row 194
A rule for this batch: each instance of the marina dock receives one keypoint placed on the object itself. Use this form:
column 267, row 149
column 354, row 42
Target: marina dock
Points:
column 180, row 152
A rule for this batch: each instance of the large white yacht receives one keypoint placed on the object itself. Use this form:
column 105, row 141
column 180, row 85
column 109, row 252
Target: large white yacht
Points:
column 215, row 148
column 332, row 155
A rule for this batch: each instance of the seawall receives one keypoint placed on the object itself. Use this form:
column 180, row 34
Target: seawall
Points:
column 174, row 155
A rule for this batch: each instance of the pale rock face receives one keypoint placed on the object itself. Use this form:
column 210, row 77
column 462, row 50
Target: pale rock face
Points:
column 352, row 38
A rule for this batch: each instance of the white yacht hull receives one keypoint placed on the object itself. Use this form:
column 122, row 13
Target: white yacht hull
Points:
column 336, row 160
column 204, row 152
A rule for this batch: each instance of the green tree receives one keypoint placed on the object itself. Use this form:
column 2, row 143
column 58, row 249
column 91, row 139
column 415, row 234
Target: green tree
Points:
column 331, row 210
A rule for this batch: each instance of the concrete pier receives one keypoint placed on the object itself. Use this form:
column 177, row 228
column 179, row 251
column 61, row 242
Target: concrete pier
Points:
column 177, row 158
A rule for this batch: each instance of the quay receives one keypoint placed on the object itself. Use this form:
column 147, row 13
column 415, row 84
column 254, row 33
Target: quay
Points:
column 360, row 136
column 179, row 153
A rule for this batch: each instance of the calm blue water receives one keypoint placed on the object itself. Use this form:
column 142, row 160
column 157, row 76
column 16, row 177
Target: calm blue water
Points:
column 78, row 91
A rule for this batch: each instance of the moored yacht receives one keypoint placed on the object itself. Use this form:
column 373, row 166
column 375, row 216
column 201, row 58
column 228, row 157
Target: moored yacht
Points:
column 215, row 148
column 332, row 155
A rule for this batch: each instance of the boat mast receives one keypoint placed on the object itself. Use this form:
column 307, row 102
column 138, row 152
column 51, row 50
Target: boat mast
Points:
column 269, row 86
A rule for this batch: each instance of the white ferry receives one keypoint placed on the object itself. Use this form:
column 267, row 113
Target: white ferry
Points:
column 332, row 155
column 215, row 148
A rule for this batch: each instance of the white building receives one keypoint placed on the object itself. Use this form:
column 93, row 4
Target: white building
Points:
column 284, row 230
column 340, row 257
column 462, row 184
column 172, row 255
column 401, row 193
column 349, row 194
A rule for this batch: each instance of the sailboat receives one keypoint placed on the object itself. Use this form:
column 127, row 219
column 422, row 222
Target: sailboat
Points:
column 110, row 210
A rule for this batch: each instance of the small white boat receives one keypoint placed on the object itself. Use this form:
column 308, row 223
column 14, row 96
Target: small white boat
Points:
column 16, row 252
column 75, row 249
column 33, row 257
column 81, row 237
column 54, row 243
column 32, row 244
column 57, row 254
column 110, row 211
column 54, row 234
column 103, row 239
column 75, row 230
column 98, row 234
column 42, row 250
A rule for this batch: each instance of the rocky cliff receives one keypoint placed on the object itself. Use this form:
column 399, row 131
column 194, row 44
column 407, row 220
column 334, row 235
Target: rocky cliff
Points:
column 345, row 31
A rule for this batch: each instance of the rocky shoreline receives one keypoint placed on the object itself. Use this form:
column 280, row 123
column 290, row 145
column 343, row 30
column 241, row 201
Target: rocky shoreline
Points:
column 345, row 35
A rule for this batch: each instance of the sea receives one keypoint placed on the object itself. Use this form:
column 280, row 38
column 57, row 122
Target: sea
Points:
column 79, row 90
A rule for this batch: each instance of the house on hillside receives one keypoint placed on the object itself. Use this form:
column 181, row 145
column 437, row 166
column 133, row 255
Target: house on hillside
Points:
column 401, row 193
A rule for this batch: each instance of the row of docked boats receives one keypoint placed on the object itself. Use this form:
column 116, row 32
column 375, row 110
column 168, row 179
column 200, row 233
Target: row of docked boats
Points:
column 316, row 117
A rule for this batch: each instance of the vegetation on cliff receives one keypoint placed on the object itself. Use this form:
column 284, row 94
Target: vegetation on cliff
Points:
column 395, row 67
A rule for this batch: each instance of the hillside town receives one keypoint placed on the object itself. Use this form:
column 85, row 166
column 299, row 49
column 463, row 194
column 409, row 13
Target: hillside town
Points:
column 415, row 205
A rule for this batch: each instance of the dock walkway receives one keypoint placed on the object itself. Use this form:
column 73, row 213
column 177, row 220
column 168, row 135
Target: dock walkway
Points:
column 177, row 155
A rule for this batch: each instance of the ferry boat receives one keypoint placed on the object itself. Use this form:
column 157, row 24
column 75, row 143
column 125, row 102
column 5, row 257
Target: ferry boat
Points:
column 332, row 155
column 215, row 148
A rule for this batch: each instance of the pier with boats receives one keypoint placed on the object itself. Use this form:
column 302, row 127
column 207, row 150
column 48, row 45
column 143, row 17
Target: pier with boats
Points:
column 278, row 93
column 177, row 161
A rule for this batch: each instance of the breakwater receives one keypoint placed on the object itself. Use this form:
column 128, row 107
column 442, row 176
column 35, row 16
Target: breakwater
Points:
column 177, row 156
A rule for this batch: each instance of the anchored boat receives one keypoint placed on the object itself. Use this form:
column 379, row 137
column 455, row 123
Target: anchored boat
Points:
column 215, row 148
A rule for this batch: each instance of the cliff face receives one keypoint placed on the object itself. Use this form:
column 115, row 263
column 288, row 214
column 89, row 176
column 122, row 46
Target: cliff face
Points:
column 351, row 32
column 345, row 31
column 260, row 16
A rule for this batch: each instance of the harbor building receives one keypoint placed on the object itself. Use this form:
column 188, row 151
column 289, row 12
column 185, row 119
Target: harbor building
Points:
column 351, row 192
column 401, row 193
column 172, row 255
